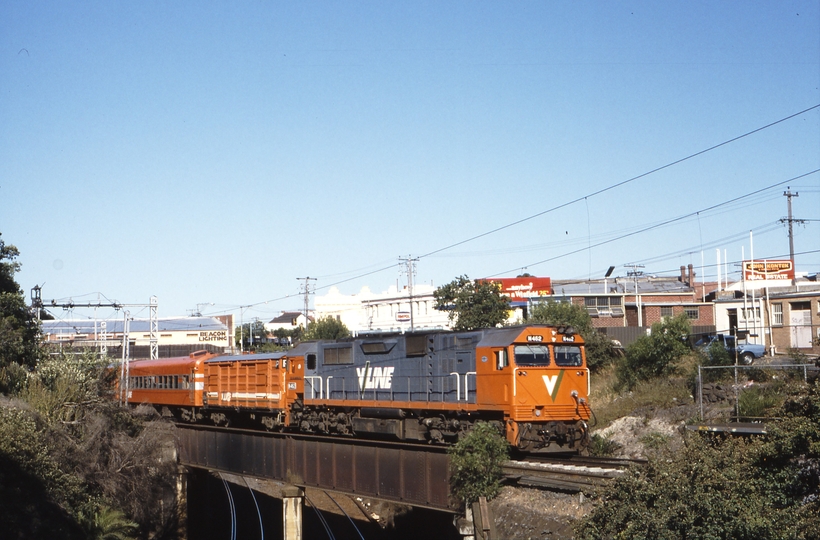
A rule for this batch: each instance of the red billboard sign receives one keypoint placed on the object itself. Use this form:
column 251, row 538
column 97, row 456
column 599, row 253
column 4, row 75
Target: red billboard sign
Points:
column 781, row 269
column 524, row 288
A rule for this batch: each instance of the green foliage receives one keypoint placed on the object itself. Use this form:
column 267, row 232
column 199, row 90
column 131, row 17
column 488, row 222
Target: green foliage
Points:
column 472, row 304
column 715, row 355
column 37, row 498
column 655, row 440
column 755, row 402
column 18, row 329
column 109, row 524
column 657, row 354
column 723, row 488
column 64, row 385
column 602, row 446
column 326, row 328
column 598, row 347
column 250, row 335
column 475, row 463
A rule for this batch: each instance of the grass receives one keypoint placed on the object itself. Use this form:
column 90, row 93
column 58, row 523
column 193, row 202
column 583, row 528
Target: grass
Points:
column 609, row 405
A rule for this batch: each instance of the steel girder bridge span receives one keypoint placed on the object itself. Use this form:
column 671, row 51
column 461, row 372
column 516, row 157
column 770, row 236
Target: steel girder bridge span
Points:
column 400, row 473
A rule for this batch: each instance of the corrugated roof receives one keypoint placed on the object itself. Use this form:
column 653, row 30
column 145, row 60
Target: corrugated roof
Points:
column 178, row 324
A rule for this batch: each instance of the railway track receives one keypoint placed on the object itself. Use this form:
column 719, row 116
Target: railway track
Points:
column 571, row 474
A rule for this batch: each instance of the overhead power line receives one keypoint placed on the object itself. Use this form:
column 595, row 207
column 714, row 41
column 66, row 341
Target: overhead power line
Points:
column 649, row 228
column 622, row 183
column 598, row 192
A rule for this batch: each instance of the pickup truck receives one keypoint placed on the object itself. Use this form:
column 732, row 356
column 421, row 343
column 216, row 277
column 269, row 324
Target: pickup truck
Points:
column 746, row 352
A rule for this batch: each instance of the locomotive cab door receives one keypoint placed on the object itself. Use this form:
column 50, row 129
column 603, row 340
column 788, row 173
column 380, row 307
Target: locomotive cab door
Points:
column 494, row 377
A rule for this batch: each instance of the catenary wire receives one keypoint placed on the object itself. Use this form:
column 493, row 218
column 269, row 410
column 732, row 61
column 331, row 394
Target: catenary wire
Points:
column 679, row 218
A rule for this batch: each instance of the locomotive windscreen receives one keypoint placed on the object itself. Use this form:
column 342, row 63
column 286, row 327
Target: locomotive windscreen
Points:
column 532, row 355
column 568, row 355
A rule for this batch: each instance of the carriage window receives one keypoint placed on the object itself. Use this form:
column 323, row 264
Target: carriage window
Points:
column 567, row 355
column 532, row 355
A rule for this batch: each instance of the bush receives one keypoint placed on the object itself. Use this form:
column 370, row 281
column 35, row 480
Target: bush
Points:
column 603, row 446
column 655, row 355
column 722, row 488
column 475, row 463
column 755, row 402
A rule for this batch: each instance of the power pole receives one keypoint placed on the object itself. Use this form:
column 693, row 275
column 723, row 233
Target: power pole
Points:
column 410, row 269
column 154, row 334
column 788, row 194
column 306, row 291
column 635, row 273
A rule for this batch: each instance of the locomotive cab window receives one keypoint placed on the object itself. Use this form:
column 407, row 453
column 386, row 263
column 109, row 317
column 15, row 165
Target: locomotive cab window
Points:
column 311, row 361
column 532, row 355
column 568, row 355
column 501, row 359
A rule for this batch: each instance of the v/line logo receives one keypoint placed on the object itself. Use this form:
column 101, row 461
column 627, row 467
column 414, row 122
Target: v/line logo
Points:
column 553, row 382
column 372, row 378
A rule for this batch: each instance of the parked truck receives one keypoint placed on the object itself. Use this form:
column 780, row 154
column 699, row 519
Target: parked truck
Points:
column 746, row 352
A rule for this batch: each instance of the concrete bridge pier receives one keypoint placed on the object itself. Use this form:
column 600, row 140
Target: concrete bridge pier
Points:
column 292, row 501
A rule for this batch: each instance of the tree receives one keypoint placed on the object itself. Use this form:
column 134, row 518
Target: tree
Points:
column 243, row 333
column 598, row 347
column 475, row 463
column 18, row 329
column 657, row 354
column 326, row 328
column 472, row 304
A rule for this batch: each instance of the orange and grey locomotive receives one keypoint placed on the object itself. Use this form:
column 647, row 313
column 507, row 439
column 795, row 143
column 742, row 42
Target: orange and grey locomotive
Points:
column 531, row 381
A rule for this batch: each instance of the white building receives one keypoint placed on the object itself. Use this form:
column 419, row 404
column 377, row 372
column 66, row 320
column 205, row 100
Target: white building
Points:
column 390, row 311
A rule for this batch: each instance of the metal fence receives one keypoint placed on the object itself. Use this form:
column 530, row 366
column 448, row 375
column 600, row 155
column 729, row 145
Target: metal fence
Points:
column 805, row 368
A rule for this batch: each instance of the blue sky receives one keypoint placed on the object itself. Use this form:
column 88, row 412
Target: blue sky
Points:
column 214, row 152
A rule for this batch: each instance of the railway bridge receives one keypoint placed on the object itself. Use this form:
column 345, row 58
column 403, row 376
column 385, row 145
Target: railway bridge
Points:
column 400, row 473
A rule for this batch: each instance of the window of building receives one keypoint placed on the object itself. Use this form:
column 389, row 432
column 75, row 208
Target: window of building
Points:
column 692, row 312
column 667, row 311
column 751, row 314
column 604, row 306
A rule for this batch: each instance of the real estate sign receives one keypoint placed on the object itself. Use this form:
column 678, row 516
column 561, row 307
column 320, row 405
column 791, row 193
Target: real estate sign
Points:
column 779, row 269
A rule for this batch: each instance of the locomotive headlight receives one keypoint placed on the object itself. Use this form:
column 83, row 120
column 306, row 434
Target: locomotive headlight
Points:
column 537, row 412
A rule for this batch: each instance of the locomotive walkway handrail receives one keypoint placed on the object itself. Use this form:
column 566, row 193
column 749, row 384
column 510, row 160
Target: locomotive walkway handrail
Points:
column 309, row 378
column 458, row 384
column 431, row 394
column 467, row 386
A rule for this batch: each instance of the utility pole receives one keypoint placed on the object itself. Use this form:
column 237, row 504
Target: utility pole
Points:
column 635, row 273
column 788, row 194
column 306, row 291
column 154, row 334
column 410, row 269
column 125, row 366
